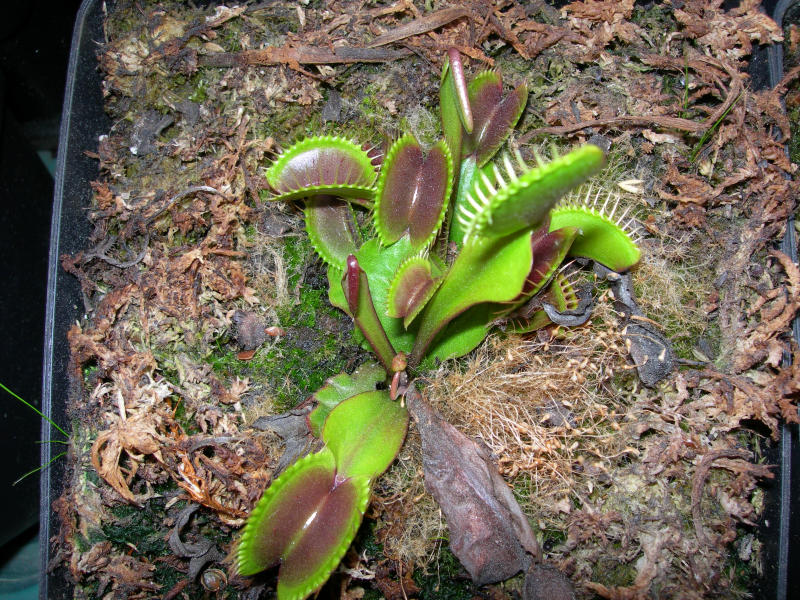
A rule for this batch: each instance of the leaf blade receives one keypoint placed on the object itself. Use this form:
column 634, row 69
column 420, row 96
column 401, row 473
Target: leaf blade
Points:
column 488, row 270
column 365, row 433
column 381, row 264
column 341, row 387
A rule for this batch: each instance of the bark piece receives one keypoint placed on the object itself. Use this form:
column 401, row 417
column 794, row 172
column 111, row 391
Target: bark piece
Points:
column 251, row 330
column 199, row 553
column 489, row 533
column 292, row 428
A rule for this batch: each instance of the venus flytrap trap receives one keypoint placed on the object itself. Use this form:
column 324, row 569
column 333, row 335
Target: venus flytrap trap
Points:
column 412, row 304
column 308, row 517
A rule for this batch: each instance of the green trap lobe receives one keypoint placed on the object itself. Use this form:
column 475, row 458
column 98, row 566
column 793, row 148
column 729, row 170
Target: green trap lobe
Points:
column 600, row 238
column 494, row 116
column 525, row 202
column 283, row 510
column 322, row 165
column 559, row 293
column 324, row 539
column 412, row 192
column 414, row 284
column 331, row 229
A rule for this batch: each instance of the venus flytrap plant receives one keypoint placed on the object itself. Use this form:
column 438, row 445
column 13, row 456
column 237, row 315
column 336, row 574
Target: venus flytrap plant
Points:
column 512, row 232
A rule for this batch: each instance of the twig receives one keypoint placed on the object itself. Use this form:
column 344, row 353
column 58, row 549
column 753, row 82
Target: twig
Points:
column 307, row 55
column 422, row 25
column 660, row 121
column 180, row 196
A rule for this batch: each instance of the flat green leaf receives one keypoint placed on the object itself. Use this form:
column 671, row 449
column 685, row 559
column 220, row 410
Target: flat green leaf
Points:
column 488, row 270
column 464, row 333
column 365, row 433
column 341, row 387
column 331, row 229
column 335, row 291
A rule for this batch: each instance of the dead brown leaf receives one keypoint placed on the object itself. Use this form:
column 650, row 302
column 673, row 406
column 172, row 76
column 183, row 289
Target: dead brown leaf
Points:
column 489, row 533
column 135, row 437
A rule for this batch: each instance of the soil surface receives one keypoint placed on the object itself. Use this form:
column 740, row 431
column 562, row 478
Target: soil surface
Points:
column 207, row 308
